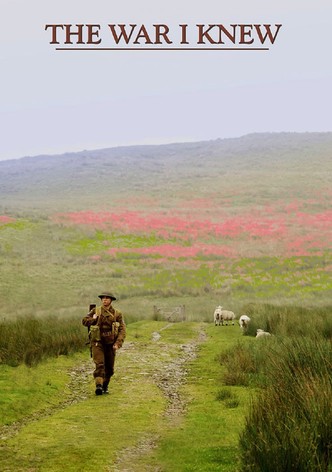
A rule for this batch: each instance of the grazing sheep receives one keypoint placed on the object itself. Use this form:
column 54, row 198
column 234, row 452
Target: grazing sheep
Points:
column 227, row 316
column 244, row 321
column 261, row 332
column 217, row 316
column 221, row 315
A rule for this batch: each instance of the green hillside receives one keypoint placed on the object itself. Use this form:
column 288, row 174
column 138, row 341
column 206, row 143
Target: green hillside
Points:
column 229, row 222
column 257, row 166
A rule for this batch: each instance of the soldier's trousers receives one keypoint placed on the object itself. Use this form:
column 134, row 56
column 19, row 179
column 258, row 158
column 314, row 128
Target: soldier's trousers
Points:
column 103, row 356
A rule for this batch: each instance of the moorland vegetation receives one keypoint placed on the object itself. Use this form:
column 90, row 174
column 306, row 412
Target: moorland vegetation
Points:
column 245, row 223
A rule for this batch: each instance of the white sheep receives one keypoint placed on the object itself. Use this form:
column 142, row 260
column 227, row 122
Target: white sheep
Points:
column 261, row 332
column 227, row 316
column 217, row 316
column 221, row 315
column 244, row 321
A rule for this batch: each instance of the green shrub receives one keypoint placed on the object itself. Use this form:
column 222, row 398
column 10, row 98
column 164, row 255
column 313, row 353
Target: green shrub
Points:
column 290, row 321
column 224, row 394
column 30, row 340
column 289, row 426
column 244, row 364
column 232, row 403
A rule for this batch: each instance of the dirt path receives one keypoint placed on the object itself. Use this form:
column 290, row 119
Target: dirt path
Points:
column 169, row 376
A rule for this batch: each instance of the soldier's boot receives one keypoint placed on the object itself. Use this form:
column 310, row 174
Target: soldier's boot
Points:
column 105, row 386
column 99, row 389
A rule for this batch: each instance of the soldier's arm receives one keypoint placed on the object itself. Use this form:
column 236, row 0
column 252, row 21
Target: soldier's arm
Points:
column 90, row 318
column 122, row 330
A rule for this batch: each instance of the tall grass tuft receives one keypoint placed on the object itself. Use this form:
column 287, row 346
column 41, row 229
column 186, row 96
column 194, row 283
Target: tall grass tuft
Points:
column 289, row 426
column 290, row 321
column 245, row 364
column 31, row 340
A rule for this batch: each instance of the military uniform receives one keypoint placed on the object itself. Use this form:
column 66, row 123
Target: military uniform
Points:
column 106, row 329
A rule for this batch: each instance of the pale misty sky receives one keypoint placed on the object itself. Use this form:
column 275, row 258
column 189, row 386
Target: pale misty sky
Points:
column 61, row 101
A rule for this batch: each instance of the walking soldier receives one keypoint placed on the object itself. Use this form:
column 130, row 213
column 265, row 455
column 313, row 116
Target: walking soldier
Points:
column 107, row 331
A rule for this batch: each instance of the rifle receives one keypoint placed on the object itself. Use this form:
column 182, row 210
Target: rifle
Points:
column 92, row 305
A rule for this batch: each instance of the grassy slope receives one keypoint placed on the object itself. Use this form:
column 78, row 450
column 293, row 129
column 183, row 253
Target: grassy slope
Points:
column 89, row 434
column 50, row 268
column 259, row 167
column 41, row 275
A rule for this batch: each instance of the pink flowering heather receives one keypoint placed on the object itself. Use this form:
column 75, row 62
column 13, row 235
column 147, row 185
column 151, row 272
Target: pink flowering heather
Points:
column 6, row 219
column 169, row 250
column 274, row 230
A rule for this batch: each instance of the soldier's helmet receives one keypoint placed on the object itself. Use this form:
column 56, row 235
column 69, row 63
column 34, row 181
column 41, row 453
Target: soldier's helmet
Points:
column 107, row 294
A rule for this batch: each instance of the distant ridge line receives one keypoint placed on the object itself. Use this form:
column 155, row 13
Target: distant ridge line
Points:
column 176, row 143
